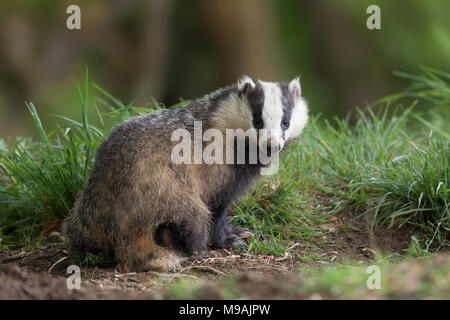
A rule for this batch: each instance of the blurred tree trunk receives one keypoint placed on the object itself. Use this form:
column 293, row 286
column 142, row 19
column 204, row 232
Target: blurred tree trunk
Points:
column 242, row 34
column 17, row 70
column 151, row 80
column 346, row 58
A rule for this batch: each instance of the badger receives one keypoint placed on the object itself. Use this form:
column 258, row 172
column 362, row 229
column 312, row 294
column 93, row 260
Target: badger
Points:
column 152, row 213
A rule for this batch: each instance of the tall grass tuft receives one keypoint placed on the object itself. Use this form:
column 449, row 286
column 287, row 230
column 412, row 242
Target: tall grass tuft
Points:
column 392, row 165
column 40, row 180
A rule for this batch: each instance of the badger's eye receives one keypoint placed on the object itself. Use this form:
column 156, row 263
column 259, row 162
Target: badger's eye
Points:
column 285, row 123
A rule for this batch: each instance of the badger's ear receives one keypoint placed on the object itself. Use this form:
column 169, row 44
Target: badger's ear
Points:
column 294, row 87
column 245, row 84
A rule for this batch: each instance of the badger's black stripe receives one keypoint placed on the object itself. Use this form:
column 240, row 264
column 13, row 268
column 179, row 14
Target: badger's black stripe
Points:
column 287, row 100
column 256, row 100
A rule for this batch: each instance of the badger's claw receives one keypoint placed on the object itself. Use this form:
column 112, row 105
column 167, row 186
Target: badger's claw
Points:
column 229, row 237
column 236, row 236
column 241, row 233
column 239, row 243
column 246, row 234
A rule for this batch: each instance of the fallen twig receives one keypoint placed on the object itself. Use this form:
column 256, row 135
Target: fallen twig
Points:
column 212, row 259
column 286, row 252
column 292, row 247
column 209, row 268
column 192, row 266
column 124, row 274
column 15, row 257
column 59, row 261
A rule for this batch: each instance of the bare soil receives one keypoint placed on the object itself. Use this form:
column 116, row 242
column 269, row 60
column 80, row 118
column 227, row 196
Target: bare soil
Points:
column 41, row 273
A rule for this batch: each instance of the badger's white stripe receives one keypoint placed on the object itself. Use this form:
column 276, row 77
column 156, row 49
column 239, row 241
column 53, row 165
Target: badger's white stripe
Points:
column 299, row 118
column 272, row 113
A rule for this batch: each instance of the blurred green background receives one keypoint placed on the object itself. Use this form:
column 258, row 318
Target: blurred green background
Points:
column 169, row 49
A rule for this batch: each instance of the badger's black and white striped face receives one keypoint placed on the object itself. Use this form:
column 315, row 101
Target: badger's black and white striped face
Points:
column 277, row 108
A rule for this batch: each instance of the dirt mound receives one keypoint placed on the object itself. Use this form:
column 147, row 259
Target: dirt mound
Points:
column 18, row 283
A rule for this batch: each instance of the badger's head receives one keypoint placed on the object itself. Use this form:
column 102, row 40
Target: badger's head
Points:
column 277, row 108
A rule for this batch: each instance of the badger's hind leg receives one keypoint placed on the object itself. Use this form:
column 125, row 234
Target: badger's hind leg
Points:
column 165, row 246
column 142, row 253
column 164, row 199
column 190, row 222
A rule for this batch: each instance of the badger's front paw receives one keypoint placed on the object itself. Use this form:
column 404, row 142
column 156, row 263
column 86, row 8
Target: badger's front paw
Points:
column 233, row 237
column 232, row 241
column 228, row 237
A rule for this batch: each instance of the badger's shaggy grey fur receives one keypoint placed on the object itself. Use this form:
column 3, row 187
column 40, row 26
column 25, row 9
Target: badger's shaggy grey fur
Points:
column 146, row 210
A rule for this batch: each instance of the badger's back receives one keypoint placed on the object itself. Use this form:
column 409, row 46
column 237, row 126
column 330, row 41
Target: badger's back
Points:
column 109, row 201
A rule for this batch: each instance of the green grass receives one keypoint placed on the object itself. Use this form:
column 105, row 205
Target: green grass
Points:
column 278, row 213
column 381, row 167
column 41, row 179
column 391, row 163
